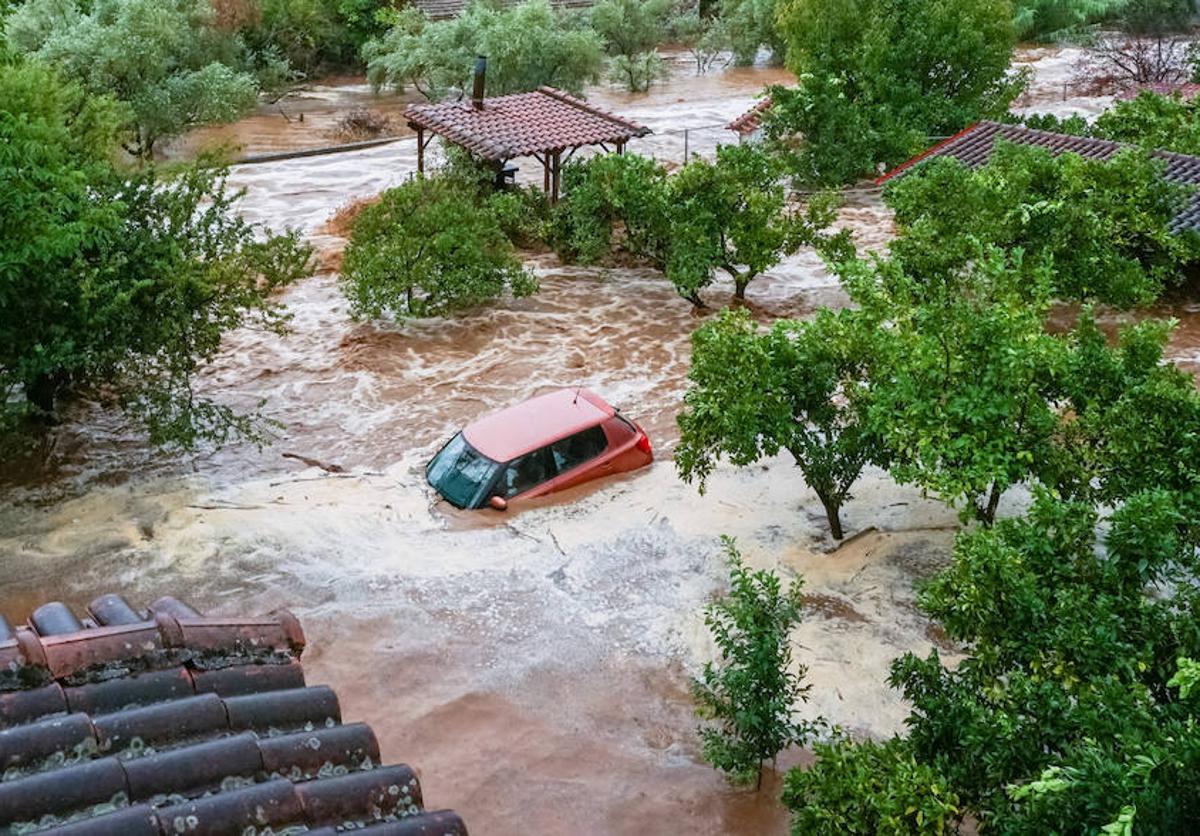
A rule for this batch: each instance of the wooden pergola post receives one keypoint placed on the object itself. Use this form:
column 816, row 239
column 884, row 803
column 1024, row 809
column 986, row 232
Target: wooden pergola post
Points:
column 420, row 148
column 556, row 174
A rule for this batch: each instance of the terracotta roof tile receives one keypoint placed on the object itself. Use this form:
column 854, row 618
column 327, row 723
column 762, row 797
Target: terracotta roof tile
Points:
column 162, row 721
column 523, row 123
column 973, row 147
column 751, row 120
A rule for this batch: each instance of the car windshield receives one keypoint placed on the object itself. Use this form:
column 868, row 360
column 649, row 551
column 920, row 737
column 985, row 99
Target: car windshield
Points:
column 461, row 473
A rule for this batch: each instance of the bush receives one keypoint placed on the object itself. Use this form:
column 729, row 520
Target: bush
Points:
column 868, row 787
column 631, row 31
column 752, row 695
column 523, row 215
column 428, row 249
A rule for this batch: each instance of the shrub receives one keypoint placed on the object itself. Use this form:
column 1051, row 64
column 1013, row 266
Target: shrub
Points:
column 752, row 693
column 428, row 249
column 869, row 787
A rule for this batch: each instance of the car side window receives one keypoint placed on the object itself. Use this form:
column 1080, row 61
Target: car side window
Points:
column 527, row 472
column 574, row 450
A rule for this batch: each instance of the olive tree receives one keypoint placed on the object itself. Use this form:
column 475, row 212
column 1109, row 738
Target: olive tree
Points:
column 166, row 60
column 428, row 249
column 527, row 45
column 117, row 279
column 802, row 387
column 631, row 31
column 751, row 693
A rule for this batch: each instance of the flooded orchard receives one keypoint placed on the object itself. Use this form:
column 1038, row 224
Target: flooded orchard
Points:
column 534, row 664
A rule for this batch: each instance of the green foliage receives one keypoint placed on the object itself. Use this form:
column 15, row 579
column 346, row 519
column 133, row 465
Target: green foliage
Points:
column 731, row 215
column 1104, row 227
column 522, row 213
column 1151, row 120
column 631, row 30
column 165, row 59
column 965, row 393
column 1061, row 718
column 603, row 190
column 307, row 33
column 751, row 25
column 801, row 387
column 877, row 78
column 527, row 45
column 869, row 787
column 363, row 20
column 125, row 280
column 1048, row 20
column 428, row 249
column 705, row 38
column 751, row 694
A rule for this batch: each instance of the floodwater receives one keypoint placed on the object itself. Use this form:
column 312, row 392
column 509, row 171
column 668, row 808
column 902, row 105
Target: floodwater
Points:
column 534, row 665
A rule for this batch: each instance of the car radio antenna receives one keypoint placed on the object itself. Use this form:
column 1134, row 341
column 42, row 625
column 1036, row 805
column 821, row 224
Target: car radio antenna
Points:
column 577, row 391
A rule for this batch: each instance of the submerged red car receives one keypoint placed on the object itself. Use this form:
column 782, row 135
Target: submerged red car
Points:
column 545, row 444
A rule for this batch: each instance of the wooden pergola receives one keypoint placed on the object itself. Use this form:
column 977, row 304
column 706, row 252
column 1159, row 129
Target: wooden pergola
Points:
column 546, row 124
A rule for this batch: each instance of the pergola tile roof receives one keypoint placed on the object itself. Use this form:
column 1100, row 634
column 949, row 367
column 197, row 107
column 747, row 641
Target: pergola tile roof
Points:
column 164, row 721
column 973, row 147
column 751, row 120
column 522, row 124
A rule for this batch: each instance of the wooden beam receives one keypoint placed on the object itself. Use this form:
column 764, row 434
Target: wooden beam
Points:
column 556, row 176
column 420, row 150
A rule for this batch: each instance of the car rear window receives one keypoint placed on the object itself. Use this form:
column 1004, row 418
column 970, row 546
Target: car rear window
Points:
column 574, row 450
column 460, row 473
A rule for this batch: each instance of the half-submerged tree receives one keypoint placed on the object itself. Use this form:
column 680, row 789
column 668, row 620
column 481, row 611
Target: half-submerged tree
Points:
column 801, row 387
column 428, row 248
column 751, row 692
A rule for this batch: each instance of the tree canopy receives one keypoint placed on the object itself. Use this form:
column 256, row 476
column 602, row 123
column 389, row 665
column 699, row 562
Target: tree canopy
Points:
column 125, row 280
column 165, row 59
column 876, row 79
column 428, row 249
column 527, row 45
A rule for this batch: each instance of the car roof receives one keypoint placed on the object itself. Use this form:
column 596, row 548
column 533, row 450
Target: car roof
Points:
column 515, row 431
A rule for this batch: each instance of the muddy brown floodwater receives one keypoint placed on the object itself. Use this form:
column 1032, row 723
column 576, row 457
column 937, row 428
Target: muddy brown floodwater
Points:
column 534, row 666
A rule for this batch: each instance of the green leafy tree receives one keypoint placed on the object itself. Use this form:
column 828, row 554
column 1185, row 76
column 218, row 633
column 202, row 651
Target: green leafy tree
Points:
column 428, row 249
column 734, row 215
column 705, row 38
column 1062, row 716
column 966, row 385
column 877, row 78
column 527, row 46
column 751, row 694
column 751, row 25
column 117, row 279
column 1105, row 227
column 631, row 31
column 165, row 59
column 802, row 387
column 1152, row 120
column 307, row 33
column 869, row 787
column 1048, row 20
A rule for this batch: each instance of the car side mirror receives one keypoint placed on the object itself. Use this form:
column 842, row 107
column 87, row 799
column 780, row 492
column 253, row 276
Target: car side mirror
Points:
column 499, row 503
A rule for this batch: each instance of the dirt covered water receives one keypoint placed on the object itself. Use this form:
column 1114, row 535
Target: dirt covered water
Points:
column 533, row 666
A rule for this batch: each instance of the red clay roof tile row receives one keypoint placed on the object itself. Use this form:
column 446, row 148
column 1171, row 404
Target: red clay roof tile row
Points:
column 973, row 147
column 168, row 722
column 544, row 120
column 751, row 120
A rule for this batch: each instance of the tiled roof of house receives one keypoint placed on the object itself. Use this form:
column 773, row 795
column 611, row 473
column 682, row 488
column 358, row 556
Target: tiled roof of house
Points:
column 973, row 147
column 1186, row 90
column 751, row 120
column 167, row 722
column 543, row 120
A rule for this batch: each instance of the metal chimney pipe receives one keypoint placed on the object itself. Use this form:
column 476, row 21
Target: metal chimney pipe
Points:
column 480, row 73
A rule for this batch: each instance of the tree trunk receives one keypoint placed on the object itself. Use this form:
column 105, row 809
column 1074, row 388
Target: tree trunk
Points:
column 833, row 513
column 41, row 393
column 739, row 288
column 987, row 515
